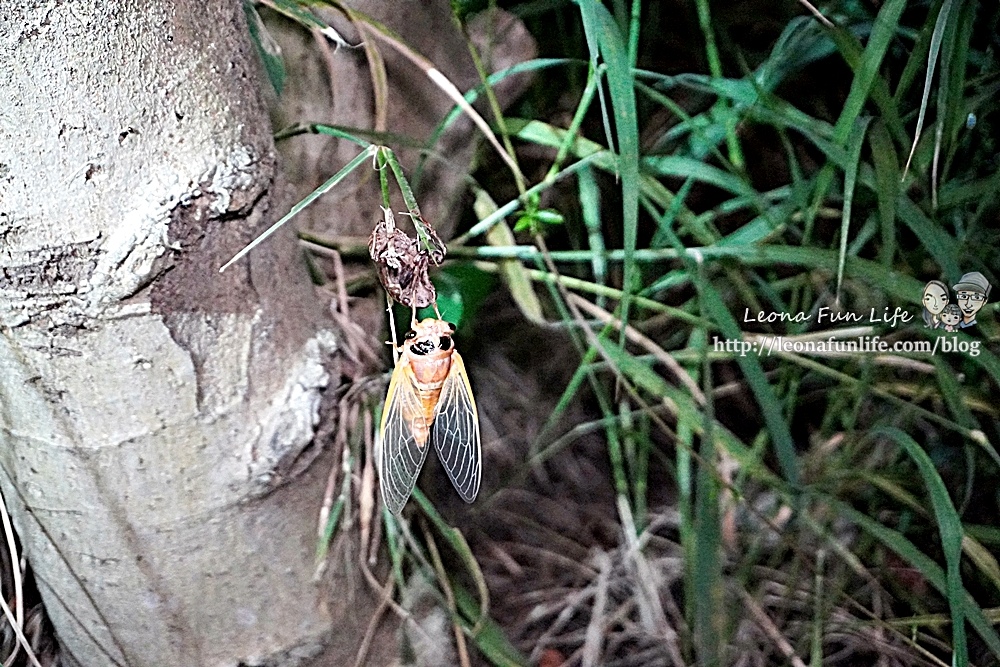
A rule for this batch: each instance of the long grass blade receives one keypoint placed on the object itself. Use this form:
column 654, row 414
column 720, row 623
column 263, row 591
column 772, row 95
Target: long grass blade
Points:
column 854, row 144
column 362, row 157
column 950, row 528
column 932, row 59
column 602, row 31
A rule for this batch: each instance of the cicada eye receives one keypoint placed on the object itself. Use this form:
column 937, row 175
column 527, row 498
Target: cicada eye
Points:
column 410, row 335
column 445, row 343
column 451, row 326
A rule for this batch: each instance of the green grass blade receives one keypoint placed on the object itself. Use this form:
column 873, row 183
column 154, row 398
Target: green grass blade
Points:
column 771, row 407
column 707, row 575
column 721, row 108
column 267, row 48
column 901, row 287
column 457, row 542
column 686, row 167
column 590, row 210
column 594, row 78
column 916, row 60
column 930, row 570
column 301, row 15
column 489, row 638
column 950, row 528
column 362, row 157
column 323, row 547
column 887, row 181
column 355, row 135
column 951, row 89
column 633, row 32
column 932, row 59
column 601, row 29
column 883, row 31
column 854, row 145
column 866, row 72
column 932, row 236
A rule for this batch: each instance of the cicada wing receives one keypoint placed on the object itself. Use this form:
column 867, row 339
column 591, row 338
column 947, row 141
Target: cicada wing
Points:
column 456, row 431
column 400, row 457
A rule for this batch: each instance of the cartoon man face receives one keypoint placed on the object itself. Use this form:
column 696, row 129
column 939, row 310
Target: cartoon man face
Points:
column 972, row 291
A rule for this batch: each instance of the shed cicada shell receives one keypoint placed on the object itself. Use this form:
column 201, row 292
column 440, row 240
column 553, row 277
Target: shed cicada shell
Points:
column 429, row 402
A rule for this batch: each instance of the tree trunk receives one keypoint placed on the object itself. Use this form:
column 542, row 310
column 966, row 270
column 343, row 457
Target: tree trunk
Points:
column 149, row 407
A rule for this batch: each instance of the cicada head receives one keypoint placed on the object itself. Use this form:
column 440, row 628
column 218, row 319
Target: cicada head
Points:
column 429, row 339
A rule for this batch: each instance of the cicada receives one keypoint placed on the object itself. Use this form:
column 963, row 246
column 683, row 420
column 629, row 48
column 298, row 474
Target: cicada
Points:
column 429, row 399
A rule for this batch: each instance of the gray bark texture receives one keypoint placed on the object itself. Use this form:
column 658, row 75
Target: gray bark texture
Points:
column 149, row 406
column 157, row 418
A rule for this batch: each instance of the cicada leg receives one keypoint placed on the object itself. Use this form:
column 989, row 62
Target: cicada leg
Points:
column 392, row 331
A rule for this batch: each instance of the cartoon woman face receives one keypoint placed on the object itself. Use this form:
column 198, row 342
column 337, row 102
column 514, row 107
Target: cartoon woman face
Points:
column 951, row 315
column 935, row 297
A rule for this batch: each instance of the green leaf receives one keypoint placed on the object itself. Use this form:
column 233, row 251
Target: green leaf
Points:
column 524, row 223
column 549, row 216
column 461, row 289
column 267, row 48
column 686, row 167
column 301, row 15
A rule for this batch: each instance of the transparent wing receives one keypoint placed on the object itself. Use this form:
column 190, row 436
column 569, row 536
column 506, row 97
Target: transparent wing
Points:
column 400, row 457
column 456, row 431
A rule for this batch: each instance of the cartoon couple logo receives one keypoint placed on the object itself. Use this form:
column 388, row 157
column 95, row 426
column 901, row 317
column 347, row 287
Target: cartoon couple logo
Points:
column 971, row 293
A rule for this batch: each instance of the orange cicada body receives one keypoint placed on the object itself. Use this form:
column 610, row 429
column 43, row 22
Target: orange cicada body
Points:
column 429, row 401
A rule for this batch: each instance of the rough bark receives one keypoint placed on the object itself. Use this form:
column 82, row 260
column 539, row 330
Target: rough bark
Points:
column 149, row 407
